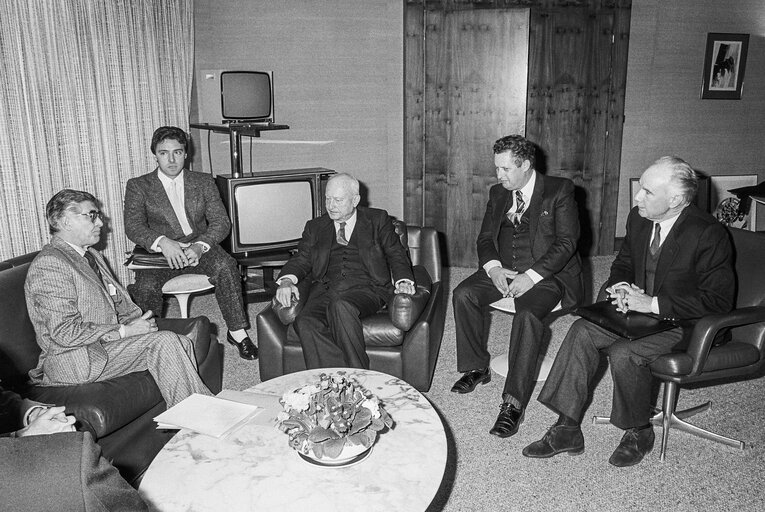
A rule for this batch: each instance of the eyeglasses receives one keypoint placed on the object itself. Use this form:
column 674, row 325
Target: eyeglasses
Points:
column 93, row 215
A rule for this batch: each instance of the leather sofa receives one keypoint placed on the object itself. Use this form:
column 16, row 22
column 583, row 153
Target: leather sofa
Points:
column 402, row 340
column 117, row 412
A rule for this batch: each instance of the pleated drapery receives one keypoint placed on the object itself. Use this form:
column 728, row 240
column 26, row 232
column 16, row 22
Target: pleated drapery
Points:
column 83, row 84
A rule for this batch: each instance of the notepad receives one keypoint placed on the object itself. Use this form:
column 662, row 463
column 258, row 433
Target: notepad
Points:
column 209, row 415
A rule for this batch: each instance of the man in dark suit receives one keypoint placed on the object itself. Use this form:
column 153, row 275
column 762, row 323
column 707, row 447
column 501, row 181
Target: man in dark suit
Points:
column 350, row 254
column 87, row 327
column 675, row 262
column 526, row 251
column 46, row 465
column 180, row 213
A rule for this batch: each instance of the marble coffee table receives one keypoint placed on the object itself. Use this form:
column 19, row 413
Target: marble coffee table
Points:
column 254, row 469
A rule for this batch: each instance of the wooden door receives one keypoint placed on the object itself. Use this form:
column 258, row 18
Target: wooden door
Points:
column 467, row 90
column 458, row 101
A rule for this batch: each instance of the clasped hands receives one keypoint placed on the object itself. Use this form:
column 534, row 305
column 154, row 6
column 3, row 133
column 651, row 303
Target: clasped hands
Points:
column 179, row 254
column 629, row 297
column 509, row 282
column 49, row 420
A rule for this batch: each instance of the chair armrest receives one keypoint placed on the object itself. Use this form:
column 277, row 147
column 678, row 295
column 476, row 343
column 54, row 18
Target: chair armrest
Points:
column 706, row 329
column 287, row 314
column 404, row 309
column 197, row 329
column 103, row 407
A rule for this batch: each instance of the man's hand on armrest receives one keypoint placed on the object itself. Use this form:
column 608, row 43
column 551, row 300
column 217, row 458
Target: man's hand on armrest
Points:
column 405, row 286
column 49, row 421
column 286, row 291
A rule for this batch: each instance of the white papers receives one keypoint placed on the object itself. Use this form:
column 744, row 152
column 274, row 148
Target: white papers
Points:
column 208, row 415
column 504, row 304
column 268, row 405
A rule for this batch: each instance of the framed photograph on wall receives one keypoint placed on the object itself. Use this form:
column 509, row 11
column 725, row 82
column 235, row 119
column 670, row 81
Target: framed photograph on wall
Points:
column 634, row 189
column 724, row 66
column 724, row 205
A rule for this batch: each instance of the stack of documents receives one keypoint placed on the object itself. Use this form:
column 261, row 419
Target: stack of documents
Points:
column 218, row 416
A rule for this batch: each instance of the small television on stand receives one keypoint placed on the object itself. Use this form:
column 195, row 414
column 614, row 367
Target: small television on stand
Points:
column 247, row 97
column 269, row 209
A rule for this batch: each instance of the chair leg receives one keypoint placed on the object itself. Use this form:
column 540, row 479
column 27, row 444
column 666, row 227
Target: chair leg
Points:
column 668, row 418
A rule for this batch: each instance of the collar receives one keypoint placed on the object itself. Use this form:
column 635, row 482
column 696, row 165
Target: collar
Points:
column 349, row 224
column 77, row 248
column 167, row 181
column 528, row 189
column 666, row 227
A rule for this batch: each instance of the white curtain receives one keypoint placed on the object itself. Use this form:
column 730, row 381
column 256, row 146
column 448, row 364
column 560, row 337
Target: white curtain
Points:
column 83, row 84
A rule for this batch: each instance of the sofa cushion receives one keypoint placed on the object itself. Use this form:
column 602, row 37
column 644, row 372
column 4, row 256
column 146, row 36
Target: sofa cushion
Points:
column 103, row 407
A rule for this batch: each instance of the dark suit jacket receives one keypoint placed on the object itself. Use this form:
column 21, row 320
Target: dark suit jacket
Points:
column 63, row 471
column 694, row 274
column 380, row 248
column 149, row 214
column 553, row 228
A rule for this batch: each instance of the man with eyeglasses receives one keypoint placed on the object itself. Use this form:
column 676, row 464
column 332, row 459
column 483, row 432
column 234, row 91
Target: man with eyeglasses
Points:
column 87, row 326
column 180, row 213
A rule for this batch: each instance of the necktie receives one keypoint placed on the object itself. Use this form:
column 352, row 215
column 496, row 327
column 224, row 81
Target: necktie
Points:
column 520, row 207
column 341, row 235
column 93, row 265
column 656, row 239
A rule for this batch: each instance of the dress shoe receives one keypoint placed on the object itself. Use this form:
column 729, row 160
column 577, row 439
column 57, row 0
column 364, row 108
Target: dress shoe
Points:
column 247, row 349
column 508, row 421
column 471, row 379
column 634, row 446
column 557, row 440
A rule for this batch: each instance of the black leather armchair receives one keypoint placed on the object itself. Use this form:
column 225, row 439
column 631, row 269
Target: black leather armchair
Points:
column 743, row 356
column 118, row 412
column 397, row 343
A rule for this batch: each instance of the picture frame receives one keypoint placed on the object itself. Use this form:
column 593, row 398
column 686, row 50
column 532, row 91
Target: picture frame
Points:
column 724, row 205
column 724, row 66
column 634, row 188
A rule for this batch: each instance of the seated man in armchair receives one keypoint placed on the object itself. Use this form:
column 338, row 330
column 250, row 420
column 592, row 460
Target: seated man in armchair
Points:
column 350, row 255
column 87, row 327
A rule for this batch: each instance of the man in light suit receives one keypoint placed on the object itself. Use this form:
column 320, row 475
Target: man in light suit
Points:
column 526, row 251
column 350, row 254
column 675, row 262
column 180, row 213
column 46, row 465
column 87, row 327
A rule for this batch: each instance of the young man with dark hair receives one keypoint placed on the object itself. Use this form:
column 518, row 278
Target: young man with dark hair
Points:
column 180, row 213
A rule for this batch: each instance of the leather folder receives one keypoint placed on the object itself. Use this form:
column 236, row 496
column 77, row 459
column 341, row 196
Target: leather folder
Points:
column 143, row 258
column 631, row 325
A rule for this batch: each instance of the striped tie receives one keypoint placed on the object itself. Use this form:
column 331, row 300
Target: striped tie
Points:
column 520, row 207
column 341, row 235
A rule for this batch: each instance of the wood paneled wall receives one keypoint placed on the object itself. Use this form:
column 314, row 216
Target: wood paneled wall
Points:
column 572, row 107
column 664, row 112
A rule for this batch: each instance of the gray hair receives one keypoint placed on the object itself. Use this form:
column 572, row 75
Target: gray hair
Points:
column 61, row 202
column 683, row 176
column 347, row 181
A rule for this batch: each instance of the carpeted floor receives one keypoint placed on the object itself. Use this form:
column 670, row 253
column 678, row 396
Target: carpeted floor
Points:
column 485, row 473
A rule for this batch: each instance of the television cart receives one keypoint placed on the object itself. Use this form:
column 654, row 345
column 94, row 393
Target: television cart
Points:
column 235, row 132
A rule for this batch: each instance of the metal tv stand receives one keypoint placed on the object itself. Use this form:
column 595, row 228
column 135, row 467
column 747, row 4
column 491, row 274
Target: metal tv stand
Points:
column 235, row 132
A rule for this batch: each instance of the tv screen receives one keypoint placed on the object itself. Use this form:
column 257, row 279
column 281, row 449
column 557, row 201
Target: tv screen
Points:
column 247, row 96
column 272, row 213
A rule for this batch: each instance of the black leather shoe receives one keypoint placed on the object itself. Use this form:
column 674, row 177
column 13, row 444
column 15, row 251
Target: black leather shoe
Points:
column 508, row 421
column 557, row 440
column 247, row 349
column 471, row 379
column 634, row 446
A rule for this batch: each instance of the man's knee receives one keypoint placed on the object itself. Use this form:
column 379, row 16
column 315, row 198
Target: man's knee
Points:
column 341, row 308
column 463, row 293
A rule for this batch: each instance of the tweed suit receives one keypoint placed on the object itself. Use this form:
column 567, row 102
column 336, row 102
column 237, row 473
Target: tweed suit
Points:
column 149, row 215
column 77, row 324
column 553, row 233
column 694, row 278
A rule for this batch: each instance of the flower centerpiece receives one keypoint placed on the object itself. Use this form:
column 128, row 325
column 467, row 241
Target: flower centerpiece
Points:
column 334, row 414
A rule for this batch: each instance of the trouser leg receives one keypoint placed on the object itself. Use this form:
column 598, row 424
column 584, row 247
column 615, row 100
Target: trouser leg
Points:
column 471, row 301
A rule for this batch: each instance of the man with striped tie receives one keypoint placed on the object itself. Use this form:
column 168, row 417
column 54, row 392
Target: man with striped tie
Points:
column 676, row 261
column 526, row 250
column 356, row 262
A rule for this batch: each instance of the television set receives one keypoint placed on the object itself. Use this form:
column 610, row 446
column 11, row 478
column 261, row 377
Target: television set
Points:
column 269, row 209
column 247, row 96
